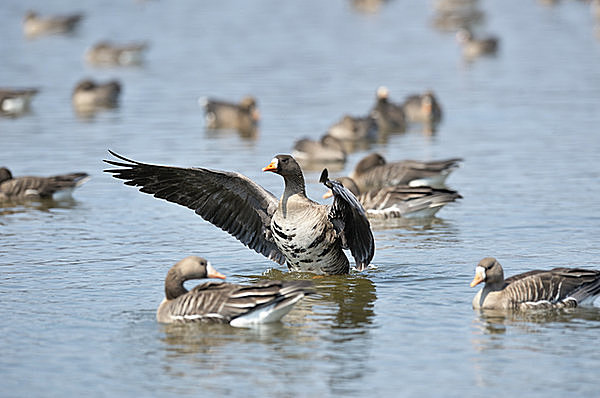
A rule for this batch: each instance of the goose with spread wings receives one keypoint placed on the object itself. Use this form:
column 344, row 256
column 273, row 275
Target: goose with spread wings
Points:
column 308, row 236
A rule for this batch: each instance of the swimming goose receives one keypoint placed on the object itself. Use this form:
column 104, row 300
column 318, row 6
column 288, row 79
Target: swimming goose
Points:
column 295, row 230
column 15, row 101
column 225, row 115
column 372, row 172
column 556, row 288
column 422, row 108
column 216, row 302
column 89, row 95
column 326, row 151
column 106, row 53
column 472, row 47
column 388, row 116
column 399, row 201
column 38, row 187
column 352, row 128
column 35, row 25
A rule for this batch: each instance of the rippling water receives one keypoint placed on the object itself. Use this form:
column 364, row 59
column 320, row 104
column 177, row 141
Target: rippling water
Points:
column 80, row 280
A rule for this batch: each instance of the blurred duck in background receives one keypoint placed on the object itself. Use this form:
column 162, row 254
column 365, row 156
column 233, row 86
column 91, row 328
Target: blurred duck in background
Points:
column 105, row 53
column 35, row 25
column 326, row 152
column 473, row 47
column 422, row 108
column 90, row 96
column 373, row 172
column 388, row 116
column 30, row 187
column 243, row 117
column 15, row 102
column 351, row 128
column 399, row 202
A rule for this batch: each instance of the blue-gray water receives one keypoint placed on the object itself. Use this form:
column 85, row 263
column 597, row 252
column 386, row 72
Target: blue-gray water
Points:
column 80, row 281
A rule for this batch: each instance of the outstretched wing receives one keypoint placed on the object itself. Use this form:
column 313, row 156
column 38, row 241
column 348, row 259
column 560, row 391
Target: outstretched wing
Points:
column 229, row 200
column 350, row 221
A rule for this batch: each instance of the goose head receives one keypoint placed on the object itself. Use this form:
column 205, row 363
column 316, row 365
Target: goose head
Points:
column 489, row 271
column 5, row 174
column 368, row 162
column 192, row 267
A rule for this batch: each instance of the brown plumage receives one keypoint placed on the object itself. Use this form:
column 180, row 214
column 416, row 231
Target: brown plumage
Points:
column 89, row 95
column 37, row 187
column 107, row 53
column 400, row 201
column 212, row 302
column 36, row 25
column 555, row 288
column 473, row 47
column 373, row 172
column 422, row 108
column 389, row 117
column 15, row 101
column 243, row 117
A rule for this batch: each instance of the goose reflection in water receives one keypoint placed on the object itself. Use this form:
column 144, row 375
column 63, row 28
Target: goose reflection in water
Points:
column 20, row 206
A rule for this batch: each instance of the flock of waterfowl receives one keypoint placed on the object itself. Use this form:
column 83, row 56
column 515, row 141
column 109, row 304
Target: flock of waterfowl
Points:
column 294, row 230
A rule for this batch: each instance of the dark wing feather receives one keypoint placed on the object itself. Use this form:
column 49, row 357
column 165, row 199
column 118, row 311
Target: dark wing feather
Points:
column 350, row 221
column 555, row 285
column 229, row 200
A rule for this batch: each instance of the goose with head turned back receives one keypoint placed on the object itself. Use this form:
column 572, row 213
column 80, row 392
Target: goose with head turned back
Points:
column 216, row 302
column 373, row 172
column 295, row 230
column 555, row 288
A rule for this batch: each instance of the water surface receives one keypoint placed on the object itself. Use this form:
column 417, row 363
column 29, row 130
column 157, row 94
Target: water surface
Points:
column 80, row 280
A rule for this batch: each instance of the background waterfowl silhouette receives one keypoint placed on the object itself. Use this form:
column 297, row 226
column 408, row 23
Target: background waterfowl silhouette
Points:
column 38, row 187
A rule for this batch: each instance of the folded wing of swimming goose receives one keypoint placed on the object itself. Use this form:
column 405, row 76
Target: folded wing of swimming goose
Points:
column 350, row 221
column 406, row 201
column 559, row 285
column 229, row 200
column 263, row 302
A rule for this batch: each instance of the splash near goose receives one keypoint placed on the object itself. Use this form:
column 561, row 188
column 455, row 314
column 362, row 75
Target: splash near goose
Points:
column 294, row 230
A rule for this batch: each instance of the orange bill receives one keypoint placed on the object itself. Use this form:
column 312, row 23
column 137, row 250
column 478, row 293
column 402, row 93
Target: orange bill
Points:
column 213, row 273
column 272, row 166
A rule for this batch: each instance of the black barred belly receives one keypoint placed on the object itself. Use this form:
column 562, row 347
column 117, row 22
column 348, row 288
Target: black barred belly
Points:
column 314, row 249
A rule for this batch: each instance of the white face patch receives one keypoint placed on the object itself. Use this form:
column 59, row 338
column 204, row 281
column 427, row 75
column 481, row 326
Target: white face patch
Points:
column 275, row 162
column 480, row 272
